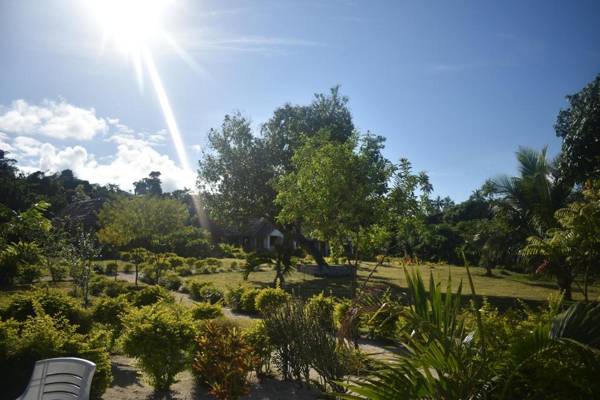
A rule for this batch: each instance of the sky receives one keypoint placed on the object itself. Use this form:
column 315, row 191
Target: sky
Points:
column 455, row 86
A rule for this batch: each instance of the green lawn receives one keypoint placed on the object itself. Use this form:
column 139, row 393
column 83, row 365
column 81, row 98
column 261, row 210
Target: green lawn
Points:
column 502, row 288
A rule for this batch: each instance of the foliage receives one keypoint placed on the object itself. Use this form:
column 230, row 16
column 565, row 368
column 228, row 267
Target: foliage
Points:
column 159, row 336
column 578, row 127
column 301, row 342
column 223, row 360
column 203, row 310
column 248, row 300
column 54, row 303
column 111, row 269
column 135, row 221
column 80, row 251
column 477, row 353
column 256, row 336
column 269, row 299
column 335, row 188
column 320, row 308
column 574, row 247
column 233, row 298
column 110, row 312
column 171, row 281
column 203, row 291
column 42, row 336
column 152, row 295
column 150, row 186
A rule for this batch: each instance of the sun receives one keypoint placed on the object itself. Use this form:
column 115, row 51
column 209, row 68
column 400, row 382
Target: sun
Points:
column 130, row 24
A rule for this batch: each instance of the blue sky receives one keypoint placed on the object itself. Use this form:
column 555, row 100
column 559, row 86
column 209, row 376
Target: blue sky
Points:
column 455, row 86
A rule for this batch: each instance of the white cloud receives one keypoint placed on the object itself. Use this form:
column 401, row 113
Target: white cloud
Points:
column 55, row 119
column 26, row 146
column 134, row 157
column 133, row 160
column 4, row 145
column 196, row 147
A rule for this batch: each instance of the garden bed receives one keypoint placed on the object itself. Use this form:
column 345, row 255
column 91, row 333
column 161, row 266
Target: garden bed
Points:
column 330, row 271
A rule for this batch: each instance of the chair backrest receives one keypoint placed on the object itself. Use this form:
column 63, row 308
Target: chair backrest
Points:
column 60, row 379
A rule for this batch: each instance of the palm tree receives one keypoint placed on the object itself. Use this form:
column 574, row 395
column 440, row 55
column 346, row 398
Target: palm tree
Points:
column 532, row 198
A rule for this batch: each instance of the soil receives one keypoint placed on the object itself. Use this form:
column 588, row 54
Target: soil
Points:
column 129, row 385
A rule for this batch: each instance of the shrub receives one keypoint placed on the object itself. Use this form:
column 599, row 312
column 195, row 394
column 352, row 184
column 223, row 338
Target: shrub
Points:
column 112, row 268
column 151, row 295
column 98, row 268
column 214, row 262
column 184, row 270
column 127, row 268
column 320, row 308
column 40, row 337
column 268, row 300
column 170, row 280
column 29, row 273
column 248, row 300
column 97, row 284
column 223, row 360
column 58, row 271
column 256, row 336
column 175, row 261
column 234, row 265
column 301, row 343
column 115, row 288
column 52, row 302
column 148, row 274
column 206, row 311
column 233, row 298
column 159, row 336
column 110, row 312
column 204, row 291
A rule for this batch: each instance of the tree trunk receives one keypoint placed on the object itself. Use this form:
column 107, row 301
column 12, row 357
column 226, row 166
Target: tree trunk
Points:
column 136, row 273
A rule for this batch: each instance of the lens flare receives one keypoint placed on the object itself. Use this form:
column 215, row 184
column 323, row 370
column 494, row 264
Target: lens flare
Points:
column 132, row 25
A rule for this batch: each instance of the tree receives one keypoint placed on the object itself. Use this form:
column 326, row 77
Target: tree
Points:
column 80, row 253
column 407, row 205
column 334, row 190
column 531, row 199
column 136, row 257
column 136, row 221
column 237, row 174
column 574, row 247
column 150, row 186
column 579, row 128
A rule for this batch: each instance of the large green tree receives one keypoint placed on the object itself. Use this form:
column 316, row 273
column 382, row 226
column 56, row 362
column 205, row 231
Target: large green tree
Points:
column 579, row 128
column 237, row 173
column 135, row 221
column 335, row 189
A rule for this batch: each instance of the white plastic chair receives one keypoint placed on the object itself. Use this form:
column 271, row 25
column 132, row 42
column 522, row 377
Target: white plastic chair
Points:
column 65, row 378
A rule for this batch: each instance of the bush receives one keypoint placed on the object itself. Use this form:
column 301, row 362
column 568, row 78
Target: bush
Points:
column 268, row 300
column 184, row 270
column 213, row 262
column 175, row 261
column 159, row 336
column 248, row 300
column 223, row 360
column 127, row 268
column 115, row 288
column 170, row 280
column 204, row 291
column 206, row 311
column 98, row 268
column 97, row 284
column 148, row 274
column 110, row 312
column 151, row 295
column 58, row 271
column 29, row 273
column 301, row 343
column 112, row 268
column 320, row 308
column 256, row 336
column 40, row 337
column 233, row 298
column 52, row 302
column 234, row 265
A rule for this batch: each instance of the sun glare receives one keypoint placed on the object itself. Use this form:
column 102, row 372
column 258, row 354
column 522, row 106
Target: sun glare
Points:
column 131, row 24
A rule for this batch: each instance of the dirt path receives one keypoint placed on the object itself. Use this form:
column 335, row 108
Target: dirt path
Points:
column 129, row 385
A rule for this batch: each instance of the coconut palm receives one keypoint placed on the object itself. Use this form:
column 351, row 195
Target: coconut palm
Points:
column 532, row 198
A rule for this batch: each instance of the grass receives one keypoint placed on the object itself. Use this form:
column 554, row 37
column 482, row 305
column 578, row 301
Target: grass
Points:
column 503, row 288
